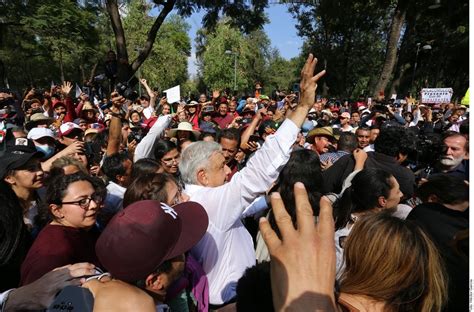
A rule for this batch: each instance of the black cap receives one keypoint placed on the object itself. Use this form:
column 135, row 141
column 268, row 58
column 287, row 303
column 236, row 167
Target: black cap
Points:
column 17, row 155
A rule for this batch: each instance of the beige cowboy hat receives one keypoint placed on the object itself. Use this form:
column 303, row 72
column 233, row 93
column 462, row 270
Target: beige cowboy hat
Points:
column 184, row 126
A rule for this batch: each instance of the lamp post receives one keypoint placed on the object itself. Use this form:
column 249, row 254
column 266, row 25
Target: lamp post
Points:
column 228, row 52
column 425, row 47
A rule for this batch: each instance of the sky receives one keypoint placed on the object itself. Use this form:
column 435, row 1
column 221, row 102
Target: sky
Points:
column 281, row 31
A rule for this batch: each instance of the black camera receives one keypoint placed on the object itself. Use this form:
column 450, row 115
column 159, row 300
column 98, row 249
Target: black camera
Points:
column 124, row 89
column 428, row 149
column 136, row 135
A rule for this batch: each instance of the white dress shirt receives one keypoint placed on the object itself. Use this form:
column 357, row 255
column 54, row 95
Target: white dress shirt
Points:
column 226, row 250
column 146, row 146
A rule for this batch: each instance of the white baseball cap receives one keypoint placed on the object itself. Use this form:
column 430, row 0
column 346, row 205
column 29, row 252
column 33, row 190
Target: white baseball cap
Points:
column 37, row 133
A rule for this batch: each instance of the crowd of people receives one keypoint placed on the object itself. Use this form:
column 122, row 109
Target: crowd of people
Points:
column 220, row 203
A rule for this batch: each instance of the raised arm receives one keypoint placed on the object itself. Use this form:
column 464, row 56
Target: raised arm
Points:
column 264, row 167
column 251, row 128
column 115, row 129
column 150, row 92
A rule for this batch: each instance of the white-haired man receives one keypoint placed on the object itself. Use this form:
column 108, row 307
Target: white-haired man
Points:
column 227, row 249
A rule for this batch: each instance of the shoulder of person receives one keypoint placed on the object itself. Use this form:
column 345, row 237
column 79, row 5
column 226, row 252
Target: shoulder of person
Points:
column 115, row 295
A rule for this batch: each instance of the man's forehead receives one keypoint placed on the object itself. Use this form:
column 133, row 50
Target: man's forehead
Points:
column 453, row 140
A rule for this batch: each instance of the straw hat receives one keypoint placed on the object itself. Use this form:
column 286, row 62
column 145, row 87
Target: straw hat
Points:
column 184, row 126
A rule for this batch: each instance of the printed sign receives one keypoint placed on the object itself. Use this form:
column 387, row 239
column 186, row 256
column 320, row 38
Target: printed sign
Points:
column 436, row 95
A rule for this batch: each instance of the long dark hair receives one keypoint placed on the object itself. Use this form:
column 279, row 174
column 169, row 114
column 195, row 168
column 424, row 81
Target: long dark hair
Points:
column 367, row 186
column 303, row 166
column 162, row 147
column 11, row 223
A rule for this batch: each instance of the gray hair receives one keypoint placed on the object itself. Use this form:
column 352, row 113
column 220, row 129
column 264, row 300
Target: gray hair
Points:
column 196, row 157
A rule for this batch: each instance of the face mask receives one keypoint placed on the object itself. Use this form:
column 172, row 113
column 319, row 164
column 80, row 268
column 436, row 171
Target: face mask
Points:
column 47, row 150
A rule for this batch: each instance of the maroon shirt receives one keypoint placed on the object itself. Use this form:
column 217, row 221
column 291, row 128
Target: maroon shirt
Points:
column 57, row 246
column 223, row 121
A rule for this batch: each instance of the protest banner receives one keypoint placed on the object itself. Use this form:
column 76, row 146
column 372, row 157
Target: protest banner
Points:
column 436, row 95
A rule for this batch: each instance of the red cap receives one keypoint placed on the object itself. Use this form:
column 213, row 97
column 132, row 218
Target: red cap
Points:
column 141, row 237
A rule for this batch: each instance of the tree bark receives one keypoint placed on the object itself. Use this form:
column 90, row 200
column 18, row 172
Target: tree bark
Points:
column 61, row 65
column 125, row 71
column 391, row 50
column 123, row 66
column 145, row 51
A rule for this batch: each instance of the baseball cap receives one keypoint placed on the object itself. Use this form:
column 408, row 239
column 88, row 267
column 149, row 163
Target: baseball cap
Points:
column 18, row 155
column 146, row 233
column 192, row 103
column 37, row 133
column 345, row 115
column 321, row 131
column 67, row 128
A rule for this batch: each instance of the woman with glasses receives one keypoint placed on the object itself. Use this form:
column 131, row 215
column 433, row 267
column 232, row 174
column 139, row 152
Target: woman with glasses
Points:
column 73, row 202
column 167, row 153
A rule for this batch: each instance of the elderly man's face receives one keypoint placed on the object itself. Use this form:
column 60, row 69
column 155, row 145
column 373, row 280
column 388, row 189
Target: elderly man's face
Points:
column 454, row 151
column 217, row 172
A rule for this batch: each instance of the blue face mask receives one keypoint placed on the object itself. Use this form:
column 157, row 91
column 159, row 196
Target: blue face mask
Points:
column 47, row 150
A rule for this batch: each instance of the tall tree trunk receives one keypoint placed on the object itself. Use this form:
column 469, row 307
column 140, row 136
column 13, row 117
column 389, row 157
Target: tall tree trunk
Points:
column 123, row 66
column 61, row 65
column 392, row 43
column 125, row 70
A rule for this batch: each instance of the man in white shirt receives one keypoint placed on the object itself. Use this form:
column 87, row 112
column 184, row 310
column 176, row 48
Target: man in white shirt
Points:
column 226, row 250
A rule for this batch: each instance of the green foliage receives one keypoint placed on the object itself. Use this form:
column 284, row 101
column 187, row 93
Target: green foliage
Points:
column 166, row 66
column 64, row 29
column 217, row 67
column 256, row 60
column 348, row 37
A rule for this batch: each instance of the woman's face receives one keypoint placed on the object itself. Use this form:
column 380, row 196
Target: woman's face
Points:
column 166, row 110
column 75, row 211
column 170, row 161
column 192, row 109
column 28, row 176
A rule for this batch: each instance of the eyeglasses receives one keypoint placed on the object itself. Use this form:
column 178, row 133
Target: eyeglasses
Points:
column 170, row 161
column 85, row 202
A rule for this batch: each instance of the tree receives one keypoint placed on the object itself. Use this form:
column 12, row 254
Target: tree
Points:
column 245, row 16
column 166, row 66
column 392, row 46
column 347, row 37
column 217, row 68
column 63, row 28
